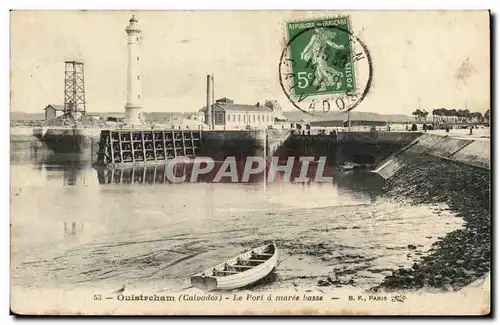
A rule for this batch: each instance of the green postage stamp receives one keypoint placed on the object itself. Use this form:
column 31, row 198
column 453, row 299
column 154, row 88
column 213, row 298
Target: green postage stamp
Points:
column 321, row 56
column 324, row 66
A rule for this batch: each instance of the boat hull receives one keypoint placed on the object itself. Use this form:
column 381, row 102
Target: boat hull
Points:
column 240, row 280
column 353, row 166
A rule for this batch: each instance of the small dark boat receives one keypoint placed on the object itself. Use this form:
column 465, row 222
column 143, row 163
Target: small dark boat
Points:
column 348, row 166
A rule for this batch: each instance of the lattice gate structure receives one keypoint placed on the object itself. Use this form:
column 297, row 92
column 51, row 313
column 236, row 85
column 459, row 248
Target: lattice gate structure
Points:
column 128, row 147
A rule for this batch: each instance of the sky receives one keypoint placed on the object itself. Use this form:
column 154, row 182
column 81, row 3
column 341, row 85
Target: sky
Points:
column 437, row 58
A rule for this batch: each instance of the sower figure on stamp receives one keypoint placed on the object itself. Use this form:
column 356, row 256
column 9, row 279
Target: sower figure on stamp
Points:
column 316, row 52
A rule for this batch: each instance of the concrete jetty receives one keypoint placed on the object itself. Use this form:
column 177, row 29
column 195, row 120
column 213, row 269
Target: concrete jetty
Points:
column 471, row 151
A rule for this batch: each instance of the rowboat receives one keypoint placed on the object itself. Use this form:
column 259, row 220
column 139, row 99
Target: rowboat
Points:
column 348, row 166
column 239, row 271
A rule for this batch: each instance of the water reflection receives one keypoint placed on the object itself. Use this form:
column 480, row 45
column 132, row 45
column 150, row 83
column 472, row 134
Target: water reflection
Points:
column 69, row 167
column 159, row 174
column 360, row 182
column 74, row 168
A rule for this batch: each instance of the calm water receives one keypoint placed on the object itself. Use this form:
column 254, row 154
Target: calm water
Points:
column 68, row 228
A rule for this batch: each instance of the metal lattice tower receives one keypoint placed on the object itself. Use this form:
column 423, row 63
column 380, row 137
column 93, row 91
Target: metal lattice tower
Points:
column 74, row 89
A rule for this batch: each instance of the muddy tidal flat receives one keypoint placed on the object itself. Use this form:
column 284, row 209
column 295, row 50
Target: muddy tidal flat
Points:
column 71, row 231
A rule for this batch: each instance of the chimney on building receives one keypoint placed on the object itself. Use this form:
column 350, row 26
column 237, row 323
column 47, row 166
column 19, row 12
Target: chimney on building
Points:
column 213, row 100
column 208, row 117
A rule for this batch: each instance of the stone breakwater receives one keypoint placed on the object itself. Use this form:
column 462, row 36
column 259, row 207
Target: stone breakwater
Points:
column 462, row 256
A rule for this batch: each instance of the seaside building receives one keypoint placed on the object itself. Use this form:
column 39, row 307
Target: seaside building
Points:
column 227, row 114
column 53, row 111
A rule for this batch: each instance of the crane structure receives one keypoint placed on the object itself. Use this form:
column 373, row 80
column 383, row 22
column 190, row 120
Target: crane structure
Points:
column 74, row 89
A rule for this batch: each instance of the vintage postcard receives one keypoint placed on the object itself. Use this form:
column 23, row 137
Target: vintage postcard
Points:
column 250, row 162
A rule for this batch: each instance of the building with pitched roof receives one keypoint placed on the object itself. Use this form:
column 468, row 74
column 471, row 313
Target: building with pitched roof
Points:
column 227, row 114
column 52, row 111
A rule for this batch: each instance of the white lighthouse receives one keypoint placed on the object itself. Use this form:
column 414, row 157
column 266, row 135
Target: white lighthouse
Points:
column 133, row 108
